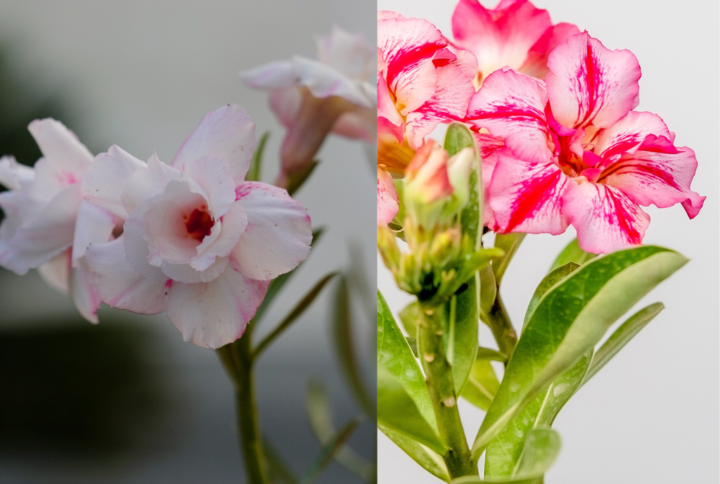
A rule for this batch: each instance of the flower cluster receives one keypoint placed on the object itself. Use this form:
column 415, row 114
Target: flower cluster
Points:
column 552, row 111
column 192, row 237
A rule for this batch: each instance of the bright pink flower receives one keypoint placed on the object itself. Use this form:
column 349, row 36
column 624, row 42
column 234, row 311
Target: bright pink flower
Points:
column 514, row 34
column 575, row 152
column 423, row 79
column 47, row 224
column 313, row 97
column 199, row 241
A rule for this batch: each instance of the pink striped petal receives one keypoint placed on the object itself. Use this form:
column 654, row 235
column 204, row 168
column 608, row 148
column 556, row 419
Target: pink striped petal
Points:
column 387, row 198
column 216, row 313
column 606, row 220
column 535, row 64
column 625, row 136
column 227, row 133
column 527, row 197
column 590, row 84
column 512, row 106
column 658, row 174
column 499, row 37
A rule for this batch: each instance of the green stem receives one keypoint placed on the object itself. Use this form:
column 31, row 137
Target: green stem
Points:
column 502, row 328
column 439, row 379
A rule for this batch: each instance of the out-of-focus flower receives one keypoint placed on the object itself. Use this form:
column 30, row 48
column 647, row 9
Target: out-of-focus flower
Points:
column 575, row 152
column 199, row 241
column 313, row 97
column 423, row 79
column 47, row 225
column 514, row 34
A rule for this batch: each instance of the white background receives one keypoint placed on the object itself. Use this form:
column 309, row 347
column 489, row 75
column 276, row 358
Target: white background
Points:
column 651, row 415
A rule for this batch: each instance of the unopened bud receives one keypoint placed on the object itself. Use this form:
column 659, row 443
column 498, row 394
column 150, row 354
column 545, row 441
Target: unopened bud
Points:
column 389, row 250
column 445, row 246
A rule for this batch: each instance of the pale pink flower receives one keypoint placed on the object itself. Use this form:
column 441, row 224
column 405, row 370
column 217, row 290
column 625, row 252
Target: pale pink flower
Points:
column 576, row 154
column 514, row 34
column 423, row 79
column 199, row 241
column 387, row 198
column 47, row 225
column 313, row 97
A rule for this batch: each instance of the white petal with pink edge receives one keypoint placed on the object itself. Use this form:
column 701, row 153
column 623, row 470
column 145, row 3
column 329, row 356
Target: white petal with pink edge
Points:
column 227, row 133
column 121, row 286
column 606, row 220
column 84, row 291
column 56, row 273
column 214, row 314
column 68, row 157
column 527, row 197
column 105, row 179
column 13, row 175
column 93, row 225
column 278, row 234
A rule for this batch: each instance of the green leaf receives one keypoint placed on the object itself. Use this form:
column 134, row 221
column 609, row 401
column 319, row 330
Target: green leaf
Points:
column 296, row 312
column 482, row 384
column 460, row 321
column 394, row 356
column 509, row 244
column 254, row 171
column 277, row 284
column 572, row 253
column 622, row 336
column 490, row 355
column 296, row 180
column 278, row 470
column 317, row 407
column 567, row 323
column 328, row 451
column 413, row 345
column 542, row 447
column 398, row 412
column 427, row 458
column 409, row 317
column 345, row 351
column 552, row 278
column 457, row 137
column 488, row 291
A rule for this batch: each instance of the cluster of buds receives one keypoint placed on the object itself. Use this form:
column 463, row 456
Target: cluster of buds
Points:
column 434, row 192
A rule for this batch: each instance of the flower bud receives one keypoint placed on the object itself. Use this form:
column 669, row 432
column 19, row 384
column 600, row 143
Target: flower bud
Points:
column 389, row 250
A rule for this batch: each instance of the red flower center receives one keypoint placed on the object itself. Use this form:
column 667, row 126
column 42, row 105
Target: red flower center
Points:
column 199, row 224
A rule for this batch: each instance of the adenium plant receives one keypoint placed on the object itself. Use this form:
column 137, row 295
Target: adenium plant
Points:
column 547, row 115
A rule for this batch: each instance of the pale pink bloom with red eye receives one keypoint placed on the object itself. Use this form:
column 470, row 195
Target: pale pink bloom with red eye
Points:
column 199, row 241
column 576, row 154
column 423, row 79
column 314, row 97
column 514, row 34
column 47, row 225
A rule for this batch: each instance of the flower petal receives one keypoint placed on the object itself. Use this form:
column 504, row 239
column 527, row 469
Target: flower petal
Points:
column 347, row 53
column 148, row 182
column 93, row 225
column 56, row 273
column 84, row 291
column 605, row 219
column 590, row 84
column 227, row 133
column 232, row 225
column 512, row 106
column 121, row 286
column 527, row 197
column 216, row 313
column 278, row 234
column 213, row 176
column 106, row 177
column 68, row 157
column 387, row 198
column 627, row 135
column 657, row 173
column 535, row 64
column 13, row 175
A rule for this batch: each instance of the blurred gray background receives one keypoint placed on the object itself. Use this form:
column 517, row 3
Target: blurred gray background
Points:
column 127, row 401
column 651, row 415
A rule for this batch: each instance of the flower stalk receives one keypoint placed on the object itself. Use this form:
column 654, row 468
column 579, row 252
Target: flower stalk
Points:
column 439, row 379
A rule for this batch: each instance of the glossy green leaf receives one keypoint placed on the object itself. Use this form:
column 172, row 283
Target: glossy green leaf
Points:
column 567, row 323
column 296, row 312
column 279, row 282
column 345, row 350
column 320, row 415
column 428, row 459
column 482, row 384
column 622, row 336
column 509, row 244
column 254, row 171
column 488, row 291
column 460, row 321
column 398, row 412
column 328, row 451
column 552, row 278
column 296, row 180
column 413, row 345
column 409, row 317
column 572, row 253
column 542, row 447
